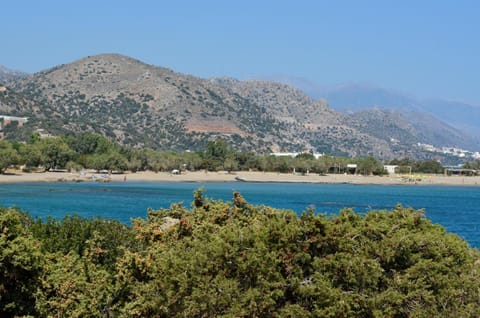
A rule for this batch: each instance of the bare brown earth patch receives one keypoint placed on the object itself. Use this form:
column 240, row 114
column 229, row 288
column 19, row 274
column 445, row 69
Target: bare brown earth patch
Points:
column 219, row 126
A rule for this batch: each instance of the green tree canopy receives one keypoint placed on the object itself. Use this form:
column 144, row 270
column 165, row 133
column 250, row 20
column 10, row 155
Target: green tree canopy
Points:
column 369, row 165
column 55, row 153
column 8, row 155
column 216, row 153
column 473, row 165
column 232, row 259
column 429, row 166
column 21, row 264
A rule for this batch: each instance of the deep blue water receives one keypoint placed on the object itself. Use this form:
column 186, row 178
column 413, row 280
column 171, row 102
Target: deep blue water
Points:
column 456, row 208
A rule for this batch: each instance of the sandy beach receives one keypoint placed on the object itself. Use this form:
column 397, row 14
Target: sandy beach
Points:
column 202, row 176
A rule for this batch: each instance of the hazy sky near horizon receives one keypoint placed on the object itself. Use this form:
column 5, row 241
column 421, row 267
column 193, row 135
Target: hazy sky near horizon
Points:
column 429, row 48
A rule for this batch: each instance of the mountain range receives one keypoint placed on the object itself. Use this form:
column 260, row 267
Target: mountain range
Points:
column 8, row 74
column 142, row 105
column 353, row 97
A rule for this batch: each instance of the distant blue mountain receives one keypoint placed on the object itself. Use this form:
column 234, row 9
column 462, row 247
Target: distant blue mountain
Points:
column 463, row 116
column 354, row 97
column 363, row 96
column 8, row 74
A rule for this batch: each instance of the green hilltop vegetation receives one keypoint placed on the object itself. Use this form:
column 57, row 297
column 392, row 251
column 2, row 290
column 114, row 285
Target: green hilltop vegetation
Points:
column 232, row 259
column 92, row 151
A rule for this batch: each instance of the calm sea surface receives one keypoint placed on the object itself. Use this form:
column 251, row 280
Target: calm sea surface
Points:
column 456, row 208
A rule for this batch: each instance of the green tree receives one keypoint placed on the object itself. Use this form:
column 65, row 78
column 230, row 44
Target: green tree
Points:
column 75, row 286
column 104, row 145
column 402, row 162
column 85, row 144
column 215, row 154
column 21, row 264
column 55, row 153
column 370, row 165
column 31, row 154
column 107, row 161
column 429, row 166
column 230, row 163
column 8, row 155
column 475, row 165
column 305, row 155
column 193, row 160
column 34, row 138
column 320, row 166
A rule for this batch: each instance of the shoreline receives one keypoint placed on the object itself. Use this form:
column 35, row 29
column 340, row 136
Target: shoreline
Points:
column 241, row 176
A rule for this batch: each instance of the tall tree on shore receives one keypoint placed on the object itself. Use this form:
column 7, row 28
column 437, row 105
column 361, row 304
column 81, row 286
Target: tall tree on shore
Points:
column 8, row 155
column 55, row 153
column 21, row 264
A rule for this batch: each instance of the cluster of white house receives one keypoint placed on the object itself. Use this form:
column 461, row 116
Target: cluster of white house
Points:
column 294, row 154
column 457, row 152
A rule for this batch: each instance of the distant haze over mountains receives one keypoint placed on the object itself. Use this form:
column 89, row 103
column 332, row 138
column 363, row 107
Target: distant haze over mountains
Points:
column 141, row 105
column 8, row 74
column 352, row 97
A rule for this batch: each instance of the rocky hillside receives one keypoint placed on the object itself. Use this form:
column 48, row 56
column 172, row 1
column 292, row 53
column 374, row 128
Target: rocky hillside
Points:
column 409, row 127
column 147, row 106
column 357, row 97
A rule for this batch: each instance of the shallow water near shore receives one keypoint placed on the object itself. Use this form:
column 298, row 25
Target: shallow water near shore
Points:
column 456, row 208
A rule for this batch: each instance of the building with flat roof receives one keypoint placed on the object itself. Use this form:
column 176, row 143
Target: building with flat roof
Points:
column 461, row 171
column 7, row 120
column 294, row 154
column 391, row 169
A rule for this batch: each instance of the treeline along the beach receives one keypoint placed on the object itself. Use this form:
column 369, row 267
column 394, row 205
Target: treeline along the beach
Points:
column 92, row 151
column 232, row 259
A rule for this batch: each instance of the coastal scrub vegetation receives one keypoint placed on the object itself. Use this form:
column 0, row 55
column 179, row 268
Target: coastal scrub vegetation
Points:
column 473, row 165
column 233, row 259
column 93, row 151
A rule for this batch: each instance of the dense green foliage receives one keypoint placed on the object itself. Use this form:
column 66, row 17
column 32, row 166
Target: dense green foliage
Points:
column 409, row 165
column 232, row 259
column 93, row 151
column 473, row 165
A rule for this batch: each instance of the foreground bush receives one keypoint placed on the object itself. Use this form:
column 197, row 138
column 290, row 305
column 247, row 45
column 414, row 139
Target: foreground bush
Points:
column 231, row 259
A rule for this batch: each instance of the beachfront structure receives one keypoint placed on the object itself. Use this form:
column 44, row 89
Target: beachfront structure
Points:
column 391, row 169
column 460, row 171
column 351, row 168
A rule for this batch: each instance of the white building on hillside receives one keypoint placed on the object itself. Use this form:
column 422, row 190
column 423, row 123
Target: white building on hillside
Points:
column 7, row 120
column 294, row 154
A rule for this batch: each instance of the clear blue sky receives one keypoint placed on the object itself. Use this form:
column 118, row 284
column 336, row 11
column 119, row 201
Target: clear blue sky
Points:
column 430, row 48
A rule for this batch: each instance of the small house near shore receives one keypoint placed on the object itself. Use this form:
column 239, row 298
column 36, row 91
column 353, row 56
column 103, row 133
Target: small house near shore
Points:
column 391, row 169
column 455, row 171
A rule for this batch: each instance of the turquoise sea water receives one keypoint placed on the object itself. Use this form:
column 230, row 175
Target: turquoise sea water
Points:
column 456, row 208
